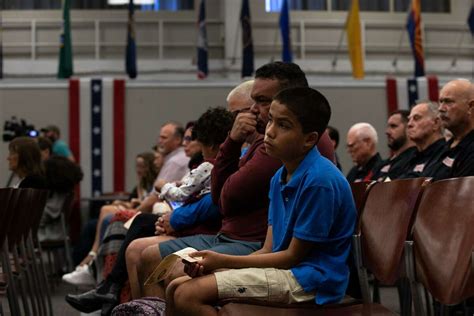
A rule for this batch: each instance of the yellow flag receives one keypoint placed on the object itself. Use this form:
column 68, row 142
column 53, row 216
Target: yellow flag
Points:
column 354, row 41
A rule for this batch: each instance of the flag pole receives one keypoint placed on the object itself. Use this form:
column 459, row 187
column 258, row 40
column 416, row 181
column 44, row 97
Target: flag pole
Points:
column 338, row 48
column 397, row 54
column 236, row 38
column 458, row 48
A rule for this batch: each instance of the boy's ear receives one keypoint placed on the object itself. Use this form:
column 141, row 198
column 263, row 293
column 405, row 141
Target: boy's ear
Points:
column 311, row 139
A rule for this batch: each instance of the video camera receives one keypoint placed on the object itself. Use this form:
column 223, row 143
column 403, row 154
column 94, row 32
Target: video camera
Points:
column 16, row 128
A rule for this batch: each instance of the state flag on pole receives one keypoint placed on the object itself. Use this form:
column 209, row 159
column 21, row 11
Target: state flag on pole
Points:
column 65, row 69
column 416, row 40
column 403, row 93
column 97, row 133
column 286, row 54
column 202, row 47
column 131, row 51
column 354, row 41
column 247, row 41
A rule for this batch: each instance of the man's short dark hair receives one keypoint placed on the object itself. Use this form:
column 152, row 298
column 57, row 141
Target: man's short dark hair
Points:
column 403, row 114
column 333, row 134
column 288, row 74
column 44, row 143
column 309, row 106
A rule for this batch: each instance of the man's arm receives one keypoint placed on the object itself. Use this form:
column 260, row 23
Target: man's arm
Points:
column 147, row 205
column 247, row 188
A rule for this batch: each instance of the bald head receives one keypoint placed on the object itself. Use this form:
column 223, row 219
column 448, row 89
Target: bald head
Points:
column 362, row 141
column 456, row 107
column 239, row 98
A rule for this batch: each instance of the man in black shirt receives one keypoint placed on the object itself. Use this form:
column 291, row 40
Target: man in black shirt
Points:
column 402, row 148
column 425, row 130
column 456, row 107
column 362, row 146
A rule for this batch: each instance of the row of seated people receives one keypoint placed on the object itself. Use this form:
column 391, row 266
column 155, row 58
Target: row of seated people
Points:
column 239, row 188
column 430, row 140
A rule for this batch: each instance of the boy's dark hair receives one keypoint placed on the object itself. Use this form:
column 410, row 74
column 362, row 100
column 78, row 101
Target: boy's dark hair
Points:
column 309, row 106
column 403, row 114
column 333, row 134
column 288, row 74
column 62, row 174
column 212, row 127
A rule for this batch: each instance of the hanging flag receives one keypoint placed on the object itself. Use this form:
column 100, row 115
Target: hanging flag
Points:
column 202, row 47
column 97, row 133
column 65, row 69
column 354, row 41
column 416, row 42
column 1, row 47
column 402, row 94
column 286, row 55
column 470, row 20
column 131, row 53
column 247, row 41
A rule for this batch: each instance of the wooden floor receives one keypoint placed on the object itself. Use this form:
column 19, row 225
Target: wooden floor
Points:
column 389, row 298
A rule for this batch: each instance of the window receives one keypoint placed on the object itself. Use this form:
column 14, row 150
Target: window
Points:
column 364, row 5
column 275, row 5
column 438, row 6
column 171, row 5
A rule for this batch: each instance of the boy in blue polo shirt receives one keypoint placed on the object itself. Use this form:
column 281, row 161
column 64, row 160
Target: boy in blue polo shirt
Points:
column 310, row 223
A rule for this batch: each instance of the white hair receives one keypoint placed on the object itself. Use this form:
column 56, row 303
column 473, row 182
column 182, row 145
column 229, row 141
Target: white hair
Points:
column 243, row 90
column 364, row 130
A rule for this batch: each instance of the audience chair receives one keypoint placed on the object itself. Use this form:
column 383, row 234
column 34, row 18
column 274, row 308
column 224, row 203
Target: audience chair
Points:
column 8, row 198
column 441, row 255
column 378, row 245
column 54, row 248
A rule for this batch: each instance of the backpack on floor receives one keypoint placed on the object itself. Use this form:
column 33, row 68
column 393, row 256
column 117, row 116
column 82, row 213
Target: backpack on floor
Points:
column 142, row 307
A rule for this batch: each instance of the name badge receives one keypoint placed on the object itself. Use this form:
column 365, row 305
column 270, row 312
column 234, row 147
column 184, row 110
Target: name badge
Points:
column 419, row 168
column 448, row 162
column 385, row 168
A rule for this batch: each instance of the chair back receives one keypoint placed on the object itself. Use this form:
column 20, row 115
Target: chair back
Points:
column 359, row 193
column 7, row 199
column 386, row 223
column 443, row 240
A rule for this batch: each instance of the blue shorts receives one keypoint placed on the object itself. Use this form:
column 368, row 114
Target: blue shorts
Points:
column 218, row 243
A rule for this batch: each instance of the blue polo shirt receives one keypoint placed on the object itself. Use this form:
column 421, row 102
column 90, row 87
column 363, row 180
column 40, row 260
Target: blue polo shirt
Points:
column 316, row 205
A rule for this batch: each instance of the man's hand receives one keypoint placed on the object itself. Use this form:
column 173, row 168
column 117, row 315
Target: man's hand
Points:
column 163, row 226
column 244, row 125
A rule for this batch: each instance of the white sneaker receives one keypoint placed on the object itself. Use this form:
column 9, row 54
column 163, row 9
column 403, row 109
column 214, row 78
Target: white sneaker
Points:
column 81, row 276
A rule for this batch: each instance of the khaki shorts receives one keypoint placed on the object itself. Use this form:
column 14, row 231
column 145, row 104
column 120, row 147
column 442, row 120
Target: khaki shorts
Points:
column 266, row 284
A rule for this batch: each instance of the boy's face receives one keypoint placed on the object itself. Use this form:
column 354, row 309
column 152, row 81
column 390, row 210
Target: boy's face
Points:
column 284, row 137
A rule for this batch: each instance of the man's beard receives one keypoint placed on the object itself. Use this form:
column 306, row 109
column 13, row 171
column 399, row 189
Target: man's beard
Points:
column 398, row 143
column 261, row 127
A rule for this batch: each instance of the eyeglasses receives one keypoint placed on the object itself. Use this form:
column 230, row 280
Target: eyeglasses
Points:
column 187, row 138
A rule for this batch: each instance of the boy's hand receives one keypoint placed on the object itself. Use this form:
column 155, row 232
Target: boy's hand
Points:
column 163, row 226
column 210, row 260
column 244, row 125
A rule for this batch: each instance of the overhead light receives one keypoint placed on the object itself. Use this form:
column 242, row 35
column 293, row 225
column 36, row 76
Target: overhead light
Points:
column 122, row 2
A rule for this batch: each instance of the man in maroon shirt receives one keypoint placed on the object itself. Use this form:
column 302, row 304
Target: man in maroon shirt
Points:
column 240, row 185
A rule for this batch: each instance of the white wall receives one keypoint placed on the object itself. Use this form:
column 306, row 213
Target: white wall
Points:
column 149, row 105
